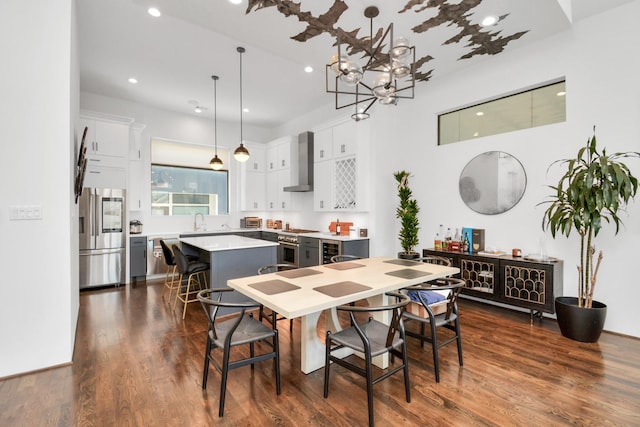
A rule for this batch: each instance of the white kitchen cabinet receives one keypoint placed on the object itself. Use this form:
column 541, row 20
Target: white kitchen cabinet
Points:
column 345, row 139
column 106, row 138
column 277, row 199
column 136, row 181
column 252, row 180
column 341, row 178
column 323, row 145
column 105, row 177
column 280, row 153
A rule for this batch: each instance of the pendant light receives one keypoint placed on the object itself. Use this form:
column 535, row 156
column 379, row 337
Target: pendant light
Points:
column 241, row 154
column 215, row 163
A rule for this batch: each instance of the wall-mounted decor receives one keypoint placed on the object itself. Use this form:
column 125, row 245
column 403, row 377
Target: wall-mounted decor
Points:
column 492, row 182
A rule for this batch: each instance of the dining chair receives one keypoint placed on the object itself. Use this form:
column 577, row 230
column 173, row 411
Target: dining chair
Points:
column 344, row 258
column 433, row 259
column 226, row 333
column 193, row 278
column 272, row 317
column 371, row 338
column 439, row 312
column 170, row 281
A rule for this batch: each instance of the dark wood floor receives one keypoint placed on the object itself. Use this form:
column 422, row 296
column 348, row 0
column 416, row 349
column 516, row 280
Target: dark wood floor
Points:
column 137, row 363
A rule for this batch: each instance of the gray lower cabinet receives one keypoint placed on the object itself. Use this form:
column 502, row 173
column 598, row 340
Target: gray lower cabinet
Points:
column 359, row 248
column 309, row 252
column 138, row 257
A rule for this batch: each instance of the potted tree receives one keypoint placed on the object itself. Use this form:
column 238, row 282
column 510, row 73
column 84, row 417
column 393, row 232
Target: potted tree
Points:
column 595, row 186
column 407, row 212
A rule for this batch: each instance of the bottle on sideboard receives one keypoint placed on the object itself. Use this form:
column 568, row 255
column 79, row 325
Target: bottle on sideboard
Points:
column 337, row 227
column 465, row 243
column 437, row 243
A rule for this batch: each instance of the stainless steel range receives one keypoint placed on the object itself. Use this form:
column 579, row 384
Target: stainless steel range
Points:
column 289, row 249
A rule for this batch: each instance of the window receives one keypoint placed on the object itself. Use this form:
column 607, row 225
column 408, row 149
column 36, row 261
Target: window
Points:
column 182, row 183
column 178, row 190
column 540, row 106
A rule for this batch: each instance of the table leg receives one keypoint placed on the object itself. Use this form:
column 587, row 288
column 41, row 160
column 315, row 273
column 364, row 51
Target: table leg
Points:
column 312, row 348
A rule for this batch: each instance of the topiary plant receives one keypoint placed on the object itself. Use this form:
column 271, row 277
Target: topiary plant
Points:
column 407, row 212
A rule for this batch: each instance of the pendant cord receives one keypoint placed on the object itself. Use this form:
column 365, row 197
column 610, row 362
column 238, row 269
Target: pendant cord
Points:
column 241, row 138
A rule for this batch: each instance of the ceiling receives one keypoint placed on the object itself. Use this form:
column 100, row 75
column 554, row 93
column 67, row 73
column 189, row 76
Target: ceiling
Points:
column 174, row 56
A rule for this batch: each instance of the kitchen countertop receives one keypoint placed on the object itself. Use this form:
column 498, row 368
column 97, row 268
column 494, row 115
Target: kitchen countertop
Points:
column 317, row 235
column 225, row 243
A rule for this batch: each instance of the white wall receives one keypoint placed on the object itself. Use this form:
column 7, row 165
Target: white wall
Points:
column 598, row 58
column 39, row 286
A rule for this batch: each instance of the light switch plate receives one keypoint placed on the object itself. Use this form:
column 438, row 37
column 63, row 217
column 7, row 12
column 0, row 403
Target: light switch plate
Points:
column 25, row 212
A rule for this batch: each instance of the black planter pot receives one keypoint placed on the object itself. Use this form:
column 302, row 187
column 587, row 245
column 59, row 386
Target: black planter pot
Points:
column 579, row 323
column 408, row 255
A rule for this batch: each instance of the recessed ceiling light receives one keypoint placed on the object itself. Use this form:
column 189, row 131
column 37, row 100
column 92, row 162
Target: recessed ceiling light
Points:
column 480, row 113
column 561, row 93
column 245, row 110
column 308, row 69
column 476, row 134
column 198, row 110
column 133, row 80
column 235, row 1
column 154, row 12
column 489, row 21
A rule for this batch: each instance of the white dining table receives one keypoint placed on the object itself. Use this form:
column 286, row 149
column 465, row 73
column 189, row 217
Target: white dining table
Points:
column 307, row 292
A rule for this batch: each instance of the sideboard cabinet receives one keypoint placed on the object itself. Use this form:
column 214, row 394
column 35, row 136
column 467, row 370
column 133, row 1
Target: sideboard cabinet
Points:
column 509, row 280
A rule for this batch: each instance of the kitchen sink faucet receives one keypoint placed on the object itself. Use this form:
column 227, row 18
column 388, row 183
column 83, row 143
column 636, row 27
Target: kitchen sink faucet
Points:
column 202, row 225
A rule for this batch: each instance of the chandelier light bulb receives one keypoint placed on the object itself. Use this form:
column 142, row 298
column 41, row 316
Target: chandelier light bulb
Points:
column 336, row 65
column 351, row 73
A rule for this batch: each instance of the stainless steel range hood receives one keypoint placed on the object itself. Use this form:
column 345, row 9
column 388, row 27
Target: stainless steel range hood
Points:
column 305, row 164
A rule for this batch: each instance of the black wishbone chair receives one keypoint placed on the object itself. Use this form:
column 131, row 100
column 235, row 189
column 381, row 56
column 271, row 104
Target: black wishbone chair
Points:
column 232, row 332
column 272, row 317
column 371, row 338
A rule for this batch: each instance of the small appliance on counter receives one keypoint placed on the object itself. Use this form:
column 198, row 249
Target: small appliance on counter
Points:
column 250, row 222
column 135, row 227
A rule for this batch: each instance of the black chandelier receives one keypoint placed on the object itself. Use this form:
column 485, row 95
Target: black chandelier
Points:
column 386, row 76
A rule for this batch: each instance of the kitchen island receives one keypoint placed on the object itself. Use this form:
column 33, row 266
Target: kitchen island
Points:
column 230, row 257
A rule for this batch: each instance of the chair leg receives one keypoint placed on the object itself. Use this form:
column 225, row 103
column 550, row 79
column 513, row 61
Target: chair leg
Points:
column 422, row 332
column 252, row 353
column 459, row 340
column 327, row 364
column 290, row 325
column 405, row 360
column 205, row 371
column 186, row 297
column 276, row 346
column 434, row 346
column 175, row 301
column 223, row 381
column 368, row 369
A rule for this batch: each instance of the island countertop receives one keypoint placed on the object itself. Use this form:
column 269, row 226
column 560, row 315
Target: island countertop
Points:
column 225, row 243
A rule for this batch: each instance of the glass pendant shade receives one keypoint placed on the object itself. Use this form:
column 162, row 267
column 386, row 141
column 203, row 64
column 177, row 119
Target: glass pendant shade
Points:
column 358, row 116
column 241, row 154
column 336, row 65
column 400, row 67
column 216, row 163
column 401, row 47
column 383, row 86
column 389, row 100
column 351, row 73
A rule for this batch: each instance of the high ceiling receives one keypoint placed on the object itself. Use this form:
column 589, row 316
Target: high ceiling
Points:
column 173, row 56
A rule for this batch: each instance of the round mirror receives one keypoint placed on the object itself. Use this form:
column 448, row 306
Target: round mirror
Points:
column 492, row 182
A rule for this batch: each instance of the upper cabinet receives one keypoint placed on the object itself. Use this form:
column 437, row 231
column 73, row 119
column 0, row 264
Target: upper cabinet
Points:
column 282, row 169
column 252, row 180
column 106, row 137
column 107, row 149
column 341, row 162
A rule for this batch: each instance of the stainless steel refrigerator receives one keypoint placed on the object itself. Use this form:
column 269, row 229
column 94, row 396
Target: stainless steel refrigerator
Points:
column 102, row 237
